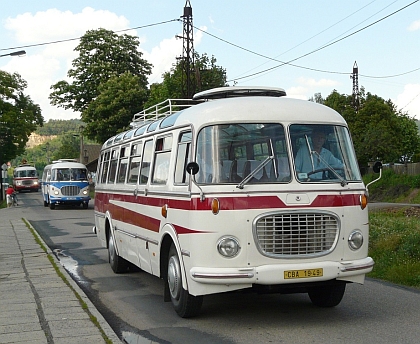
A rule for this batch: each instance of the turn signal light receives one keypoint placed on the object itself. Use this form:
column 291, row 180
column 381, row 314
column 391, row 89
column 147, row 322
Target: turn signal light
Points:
column 363, row 201
column 215, row 206
column 164, row 211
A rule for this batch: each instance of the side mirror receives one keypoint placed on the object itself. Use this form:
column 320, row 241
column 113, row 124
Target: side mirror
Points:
column 192, row 168
column 377, row 167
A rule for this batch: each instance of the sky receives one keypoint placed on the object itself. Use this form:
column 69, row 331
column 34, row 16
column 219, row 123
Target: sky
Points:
column 321, row 40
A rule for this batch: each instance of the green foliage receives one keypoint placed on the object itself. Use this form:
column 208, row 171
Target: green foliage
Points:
column 395, row 247
column 69, row 148
column 378, row 130
column 59, row 126
column 105, row 62
column 19, row 116
column 207, row 76
column 119, row 99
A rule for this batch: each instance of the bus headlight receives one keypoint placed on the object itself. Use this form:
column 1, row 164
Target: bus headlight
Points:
column 228, row 247
column 355, row 240
column 85, row 192
column 56, row 192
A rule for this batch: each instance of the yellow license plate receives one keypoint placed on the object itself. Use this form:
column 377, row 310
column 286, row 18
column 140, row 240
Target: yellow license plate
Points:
column 308, row 273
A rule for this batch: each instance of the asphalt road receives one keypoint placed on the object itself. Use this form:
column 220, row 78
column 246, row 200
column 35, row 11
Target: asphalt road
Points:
column 133, row 302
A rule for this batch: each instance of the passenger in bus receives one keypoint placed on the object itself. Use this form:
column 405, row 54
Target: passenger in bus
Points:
column 59, row 175
column 318, row 158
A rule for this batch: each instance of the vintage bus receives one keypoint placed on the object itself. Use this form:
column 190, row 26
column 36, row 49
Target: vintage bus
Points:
column 25, row 177
column 65, row 182
column 210, row 198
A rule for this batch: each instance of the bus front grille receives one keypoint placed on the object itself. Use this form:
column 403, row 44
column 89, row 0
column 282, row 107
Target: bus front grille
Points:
column 70, row 190
column 27, row 182
column 296, row 235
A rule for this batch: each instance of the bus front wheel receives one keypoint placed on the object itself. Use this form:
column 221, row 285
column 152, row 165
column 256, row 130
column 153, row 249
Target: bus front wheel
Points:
column 185, row 304
column 52, row 206
column 327, row 296
column 118, row 264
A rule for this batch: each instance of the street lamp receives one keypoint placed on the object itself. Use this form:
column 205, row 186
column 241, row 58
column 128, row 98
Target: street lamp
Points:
column 15, row 53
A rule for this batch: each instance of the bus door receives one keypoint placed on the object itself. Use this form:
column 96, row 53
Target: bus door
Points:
column 122, row 182
column 145, row 218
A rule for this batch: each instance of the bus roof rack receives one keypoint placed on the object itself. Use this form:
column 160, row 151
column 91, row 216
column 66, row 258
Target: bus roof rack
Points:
column 64, row 160
column 162, row 109
column 240, row 91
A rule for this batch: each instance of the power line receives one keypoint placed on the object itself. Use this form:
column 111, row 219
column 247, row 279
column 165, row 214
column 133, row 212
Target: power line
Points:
column 75, row 39
column 282, row 63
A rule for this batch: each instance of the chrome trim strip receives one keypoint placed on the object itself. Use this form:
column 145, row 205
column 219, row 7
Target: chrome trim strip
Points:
column 357, row 267
column 167, row 193
column 186, row 253
column 98, row 214
column 135, row 236
column 222, row 276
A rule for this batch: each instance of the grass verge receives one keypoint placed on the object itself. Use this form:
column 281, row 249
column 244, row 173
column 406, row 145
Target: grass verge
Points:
column 395, row 245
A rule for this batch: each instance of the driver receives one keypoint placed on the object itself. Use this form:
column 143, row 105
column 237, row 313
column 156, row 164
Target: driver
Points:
column 322, row 158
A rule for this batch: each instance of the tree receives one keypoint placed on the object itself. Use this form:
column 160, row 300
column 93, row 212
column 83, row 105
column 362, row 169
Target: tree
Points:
column 19, row 116
column 378, row 130
column 112, row 111
column 102, row 55
column 69, row 148
column 207, row 76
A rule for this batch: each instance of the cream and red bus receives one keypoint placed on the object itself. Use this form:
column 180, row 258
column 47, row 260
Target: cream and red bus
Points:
column 208, row 197
column 25, row 177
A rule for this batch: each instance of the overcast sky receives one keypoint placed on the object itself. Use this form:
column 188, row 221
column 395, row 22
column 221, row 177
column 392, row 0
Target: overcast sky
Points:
column 322, row 38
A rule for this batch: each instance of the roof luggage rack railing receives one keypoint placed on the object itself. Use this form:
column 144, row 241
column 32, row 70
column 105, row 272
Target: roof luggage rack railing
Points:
column 162, row 109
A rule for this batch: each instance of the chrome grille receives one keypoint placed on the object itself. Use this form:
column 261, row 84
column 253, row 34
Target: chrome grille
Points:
column 71, row 190
column 293, row 235
column 27, row 182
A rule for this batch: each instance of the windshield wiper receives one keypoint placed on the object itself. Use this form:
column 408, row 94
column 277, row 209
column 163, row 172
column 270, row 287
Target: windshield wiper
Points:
column 343, row 182
column 254, row 172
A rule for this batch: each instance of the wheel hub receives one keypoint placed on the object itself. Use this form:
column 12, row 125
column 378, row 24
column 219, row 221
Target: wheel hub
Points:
column 174, row 278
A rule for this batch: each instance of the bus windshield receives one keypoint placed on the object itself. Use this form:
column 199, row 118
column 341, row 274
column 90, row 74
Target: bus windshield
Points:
column 67, row 174
column 26, row 174
column 230, row 153
column 248, row 153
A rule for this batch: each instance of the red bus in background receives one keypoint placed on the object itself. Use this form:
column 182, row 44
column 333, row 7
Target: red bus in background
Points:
column 25, row 177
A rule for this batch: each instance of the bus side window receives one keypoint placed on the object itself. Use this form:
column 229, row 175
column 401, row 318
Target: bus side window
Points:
column 113, row 167
column 162, row 159
column 145, row 164
column 182, row 157
column 104, row 164
column 135, row 159
column 122, row 168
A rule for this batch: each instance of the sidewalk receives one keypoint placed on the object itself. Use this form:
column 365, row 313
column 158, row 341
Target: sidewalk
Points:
column 36, row 304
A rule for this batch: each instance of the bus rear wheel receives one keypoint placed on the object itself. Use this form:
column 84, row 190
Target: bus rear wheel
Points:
column 327, row 296
column 185, row 304
column 118, row 264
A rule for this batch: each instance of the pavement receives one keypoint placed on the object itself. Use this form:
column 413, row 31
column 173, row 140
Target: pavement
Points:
column 39, row 301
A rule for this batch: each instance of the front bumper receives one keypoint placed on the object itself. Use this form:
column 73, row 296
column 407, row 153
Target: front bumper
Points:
column 275, row 274
column 69, row 200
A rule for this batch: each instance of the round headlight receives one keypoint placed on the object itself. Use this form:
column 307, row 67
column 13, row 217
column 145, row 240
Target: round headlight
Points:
column 355, row 240
column 85, row 192
column 56, row 192
column 228, row 247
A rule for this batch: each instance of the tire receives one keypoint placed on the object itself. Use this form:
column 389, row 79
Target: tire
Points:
column 45, row 204
column 327, row 296
column 185, row 304
column 118, row 264
column 52, row 206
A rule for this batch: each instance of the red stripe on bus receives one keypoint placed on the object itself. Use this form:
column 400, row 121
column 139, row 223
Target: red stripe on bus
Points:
column 227, row 203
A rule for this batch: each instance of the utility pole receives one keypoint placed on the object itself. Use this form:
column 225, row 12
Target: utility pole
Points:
column 187, row 59
column 355, row 77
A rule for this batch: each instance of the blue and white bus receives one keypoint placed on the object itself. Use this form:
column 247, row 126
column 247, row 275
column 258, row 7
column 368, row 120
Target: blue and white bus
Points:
column 65, row 181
